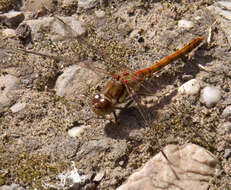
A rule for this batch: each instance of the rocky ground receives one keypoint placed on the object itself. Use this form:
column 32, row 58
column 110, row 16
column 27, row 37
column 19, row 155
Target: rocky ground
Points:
column 50, row 138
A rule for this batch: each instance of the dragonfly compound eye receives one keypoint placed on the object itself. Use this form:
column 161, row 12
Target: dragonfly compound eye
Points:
column 101, row 105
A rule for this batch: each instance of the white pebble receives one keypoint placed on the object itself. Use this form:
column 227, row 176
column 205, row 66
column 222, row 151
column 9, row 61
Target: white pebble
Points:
column 185, row 24
column 100, row 14
column 76, row 131
column 225, row 4
column 225, row 14
column 210, row 95
column 8, row 33
column 18, row 107
column 197, row 18
column 227, row 126
column 227, row 153
column 191, row 87
column 226, row 112
column 99, row 176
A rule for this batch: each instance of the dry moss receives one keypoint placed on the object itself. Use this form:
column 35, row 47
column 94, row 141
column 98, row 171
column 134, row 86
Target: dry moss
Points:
column 29, row 170
column 186, row 126
column 114, row 54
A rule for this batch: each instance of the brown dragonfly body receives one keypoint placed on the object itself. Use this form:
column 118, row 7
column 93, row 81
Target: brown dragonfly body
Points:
column 116, row 90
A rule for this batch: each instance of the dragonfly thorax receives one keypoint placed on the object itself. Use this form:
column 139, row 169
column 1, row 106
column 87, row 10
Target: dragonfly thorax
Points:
column 113, row 94
column 101, row 105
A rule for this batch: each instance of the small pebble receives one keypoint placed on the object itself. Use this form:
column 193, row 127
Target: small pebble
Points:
column 12, row 18
column 187, row 77
column 99, row 176
column 25, row 81
column 210, row 95
column 100, row 14
column 225, row 10
column 11, row 187
column 87, row 4
column 227, row 126
column 9, row 85
column 18, row 107
column 225, row 4
column 121, row 163
column 226, row 112
column 76, row 131
column 191, row 87
column 197, row 18
column 185, row 24
column 15, row 135
column 8, row 33
column 75, row 80
column 227, row 153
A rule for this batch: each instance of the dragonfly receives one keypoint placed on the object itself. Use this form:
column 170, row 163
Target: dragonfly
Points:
column 121, row 85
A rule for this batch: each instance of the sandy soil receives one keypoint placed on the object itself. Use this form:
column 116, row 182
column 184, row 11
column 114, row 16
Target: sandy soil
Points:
column 35, row 145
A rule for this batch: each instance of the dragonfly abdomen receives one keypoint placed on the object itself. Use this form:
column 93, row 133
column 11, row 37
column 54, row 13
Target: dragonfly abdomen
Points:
column 146, row 72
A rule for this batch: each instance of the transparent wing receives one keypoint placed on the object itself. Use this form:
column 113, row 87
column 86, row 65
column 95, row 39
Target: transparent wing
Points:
column 67, row 61
column 113, row 54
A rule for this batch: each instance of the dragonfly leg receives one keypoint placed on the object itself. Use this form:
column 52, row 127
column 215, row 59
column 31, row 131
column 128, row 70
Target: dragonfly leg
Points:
column 170, row 164
column 115, row 116
column 129, row 101
column 132, row 98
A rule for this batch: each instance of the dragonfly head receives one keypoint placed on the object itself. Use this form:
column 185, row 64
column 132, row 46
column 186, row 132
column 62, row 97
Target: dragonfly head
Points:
column 101, row 105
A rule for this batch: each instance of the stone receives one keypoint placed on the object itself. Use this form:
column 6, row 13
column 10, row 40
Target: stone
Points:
column 187, row 77
column 87, row 4
column 225, row 14
column 121, row 163
column 222, row 12
column 99, row 176
column 8, row 33
column 12, row 19
column 210, row 96
column 69, row 27
column 100, row 14
column 11, row 187
column 226, row 112
column 191, row 87
column 224, row 9
column 190, row 167
column 77, row 131
column 227, row 153
column 38, row 5
column 185, row 24
column 224, row 4
column 227, row 126
column 75, row 80
column 9, row 85
column 17, row 107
